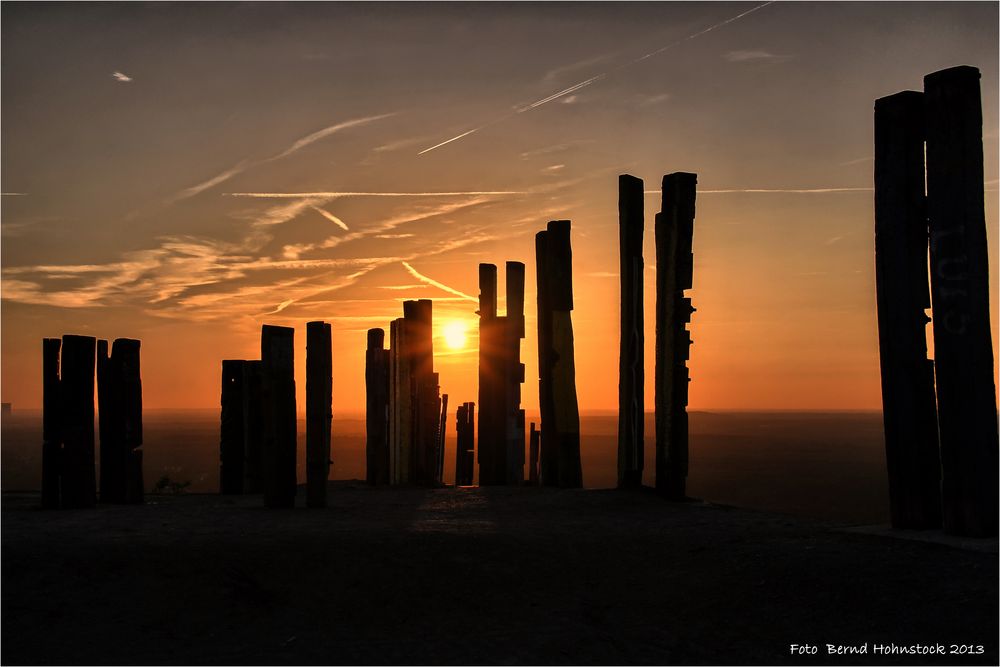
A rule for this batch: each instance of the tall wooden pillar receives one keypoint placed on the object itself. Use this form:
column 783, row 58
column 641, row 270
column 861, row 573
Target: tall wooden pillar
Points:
column 253, row 426
column 674, row 262
column 51, row 424
column 77, row 410
column 909, row 412
column 278, row 459
column 119, row 399
column 319, row 410
column 492, row 330
column 423, row 390
column 232, row 456
column 465, row 429
column 548, row 461
column 514, row 374
column 400, row 402
column 963, row 353
column 442, row 432
column 630, row 360
column 376, row 408
column 557, row 371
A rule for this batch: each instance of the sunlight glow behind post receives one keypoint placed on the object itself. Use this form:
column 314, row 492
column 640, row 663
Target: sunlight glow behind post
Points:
column 454, row 334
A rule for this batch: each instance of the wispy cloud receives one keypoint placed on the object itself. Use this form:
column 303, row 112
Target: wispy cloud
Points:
column 591, row 80
column 651, row 100
column 296, row 146
column 121, row 77
column 14, row 194
column 557, row 73
column 754, row 55
column 430, row 281
column 332, row 218
column 859, row 160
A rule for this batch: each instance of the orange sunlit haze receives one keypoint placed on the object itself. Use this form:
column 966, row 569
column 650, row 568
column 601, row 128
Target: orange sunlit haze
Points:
column 184, row 173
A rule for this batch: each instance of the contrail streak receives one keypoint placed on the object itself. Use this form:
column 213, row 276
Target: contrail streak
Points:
column 464, row 134
column 307, row 195
column 593, row 79
column 430, row 281
column 754, row 191
column 332, row 218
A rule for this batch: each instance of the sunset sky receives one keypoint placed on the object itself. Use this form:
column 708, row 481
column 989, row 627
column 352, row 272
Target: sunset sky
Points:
column 149, row 151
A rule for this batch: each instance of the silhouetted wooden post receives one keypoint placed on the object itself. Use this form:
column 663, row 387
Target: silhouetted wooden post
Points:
column 549, row 445
column 424, row 391
column 400, row 401
column 674, row 262
column 559, row 364
column 232, row 457
column 514, row 374
column 963, row 353
column 465, row 429
column 909, row 411
column 319, row 410
column 125, row 355
column 51, row 424
column 376, row 409
column 277, row 351
column 492, row 441
column 112, row 471
column 253, row 425
column 630, row 361
column 533, row 456
column 79, row 487
column 442, row 432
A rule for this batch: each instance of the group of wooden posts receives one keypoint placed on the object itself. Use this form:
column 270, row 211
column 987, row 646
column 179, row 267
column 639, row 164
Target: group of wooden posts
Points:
column 68, row 466
column 405, row 409
column 674, row 228
column 940, row 416
column 400, row 382
column 259, row 423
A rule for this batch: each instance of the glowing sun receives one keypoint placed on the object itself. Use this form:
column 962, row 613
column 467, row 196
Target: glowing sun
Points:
column 454, row 335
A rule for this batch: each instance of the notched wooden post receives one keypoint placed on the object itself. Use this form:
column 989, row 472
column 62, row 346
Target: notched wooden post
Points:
column 319, row 410
column 631, row 374
column 909, row 411
column 674, row 263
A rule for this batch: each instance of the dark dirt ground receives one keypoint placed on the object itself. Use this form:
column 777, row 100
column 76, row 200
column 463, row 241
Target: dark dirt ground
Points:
column 473, row 576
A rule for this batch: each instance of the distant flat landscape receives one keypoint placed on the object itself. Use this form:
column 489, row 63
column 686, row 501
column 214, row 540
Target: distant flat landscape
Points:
column 822, row 465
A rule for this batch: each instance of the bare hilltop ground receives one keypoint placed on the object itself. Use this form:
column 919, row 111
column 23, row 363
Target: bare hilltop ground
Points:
column 473, row 576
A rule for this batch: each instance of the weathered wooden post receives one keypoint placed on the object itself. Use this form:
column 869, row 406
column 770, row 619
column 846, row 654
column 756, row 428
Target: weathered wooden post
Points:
column 376, row 408
column 122, row 384
column 514, row 374
column 549, row 446
column 465, row 429
column 277, row 351
column 630, row 361
column 909, row 412
column 253, row 425
column 400, row 402
column 51, row 424
column 442, row 432
column 533, row 456
column 963, row 353
column 232, row 457
column 127, row 350
column 79, row 487
column 674, row 263
column 319, row 410
column 492, row 440
column 556, row 358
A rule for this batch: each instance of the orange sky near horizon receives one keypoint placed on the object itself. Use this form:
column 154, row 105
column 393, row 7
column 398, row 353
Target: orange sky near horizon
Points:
column 130, row 220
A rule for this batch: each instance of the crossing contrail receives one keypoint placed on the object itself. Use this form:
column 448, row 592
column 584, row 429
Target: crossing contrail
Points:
column 593, row 79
